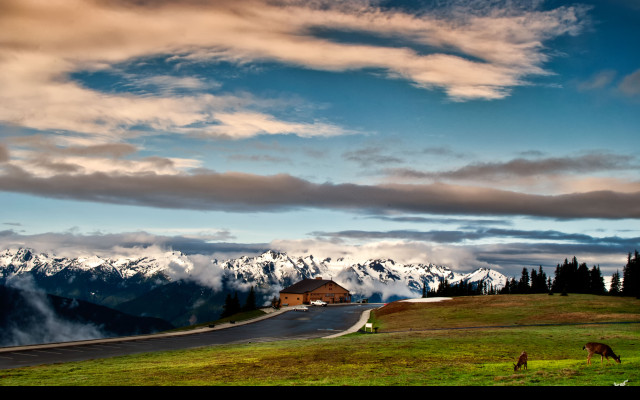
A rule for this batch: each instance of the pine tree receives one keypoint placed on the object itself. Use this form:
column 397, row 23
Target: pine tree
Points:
column 544, row 286
column 231, row 306
column 534, row 281
column 582, row 281
column 275, row 302
column 566, row 277
column 631, row 276
column 538, row 281
column 235, row 304
column 513, row 286
column 228, row 307
column 523, row 284
column 614, row 288
column 505, row 288
column 557, row 280
column 250, row 303
column 596, row 282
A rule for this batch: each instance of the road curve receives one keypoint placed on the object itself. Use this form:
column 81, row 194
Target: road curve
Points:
column 284, row 324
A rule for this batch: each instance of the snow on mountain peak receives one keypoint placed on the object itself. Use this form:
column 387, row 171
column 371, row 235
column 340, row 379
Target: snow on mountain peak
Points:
column 271, row 270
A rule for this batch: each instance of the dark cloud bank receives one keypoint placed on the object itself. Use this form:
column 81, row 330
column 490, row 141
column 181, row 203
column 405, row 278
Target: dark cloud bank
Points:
column 238, row 192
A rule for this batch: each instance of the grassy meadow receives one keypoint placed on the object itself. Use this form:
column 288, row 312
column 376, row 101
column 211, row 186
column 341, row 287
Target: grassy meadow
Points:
column 466, row 341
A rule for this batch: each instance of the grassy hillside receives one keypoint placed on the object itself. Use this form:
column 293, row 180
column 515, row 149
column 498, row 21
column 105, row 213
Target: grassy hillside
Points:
column 459, row 342
column 507, row 310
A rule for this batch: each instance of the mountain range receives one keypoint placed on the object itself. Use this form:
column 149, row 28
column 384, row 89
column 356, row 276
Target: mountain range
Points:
column 33, row 317
column 186, row 289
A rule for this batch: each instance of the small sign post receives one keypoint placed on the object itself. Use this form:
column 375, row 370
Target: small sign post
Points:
column 369, row 326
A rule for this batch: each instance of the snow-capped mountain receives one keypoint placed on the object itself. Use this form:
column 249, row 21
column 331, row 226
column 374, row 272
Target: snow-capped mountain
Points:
column 185, row 289
column 270, row 272
column 18, row 261
column 384, row 276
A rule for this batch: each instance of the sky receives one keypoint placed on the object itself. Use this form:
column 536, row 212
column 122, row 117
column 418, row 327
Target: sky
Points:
column 496, row 134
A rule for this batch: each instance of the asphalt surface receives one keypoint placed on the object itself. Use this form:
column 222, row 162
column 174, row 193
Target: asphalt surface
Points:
column 286, row 324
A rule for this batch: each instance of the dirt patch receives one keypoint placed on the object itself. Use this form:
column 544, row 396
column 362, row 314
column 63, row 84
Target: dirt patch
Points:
column 395, row 307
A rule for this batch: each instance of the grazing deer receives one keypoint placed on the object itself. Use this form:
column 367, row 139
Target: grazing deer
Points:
column 522, row 361
column 602, row 349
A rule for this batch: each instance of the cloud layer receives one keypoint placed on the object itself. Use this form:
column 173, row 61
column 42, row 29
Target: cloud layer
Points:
column 92, row 90
column 478, row 54
column 241, row 192
column 462, row 251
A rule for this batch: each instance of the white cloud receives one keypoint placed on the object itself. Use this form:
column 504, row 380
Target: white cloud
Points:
column 197, row 268
column 45, row 42
column 630, row 85
column 44, row 325
column 598, row 81
column 247, row 124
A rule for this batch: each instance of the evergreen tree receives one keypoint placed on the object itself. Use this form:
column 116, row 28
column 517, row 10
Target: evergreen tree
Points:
column 459, row 289
column 544, row 287
column 523, row 284
column 614, row 288
column 424, row 290
column 275, row 302
column 538, row 281
column 513, row 286
column 582, row 281
column 235, row 304
column 631, row 276
column 231, row 306
column 250, row 303
column 534, row 281
column 557, row 280
column 565, row 280
column 227, row 308
column 506, row 287
column 596, row 282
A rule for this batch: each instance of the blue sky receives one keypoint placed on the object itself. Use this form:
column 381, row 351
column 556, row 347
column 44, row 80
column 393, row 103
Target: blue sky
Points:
column 472, row 134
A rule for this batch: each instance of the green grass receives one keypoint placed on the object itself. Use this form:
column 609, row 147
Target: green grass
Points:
column 411, row 348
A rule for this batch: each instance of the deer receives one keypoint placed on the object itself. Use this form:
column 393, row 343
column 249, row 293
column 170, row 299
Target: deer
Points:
column 522, row 361
column 602, row 349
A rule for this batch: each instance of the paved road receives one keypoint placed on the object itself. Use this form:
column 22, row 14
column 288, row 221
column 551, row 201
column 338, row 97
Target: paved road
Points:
column 315, row 323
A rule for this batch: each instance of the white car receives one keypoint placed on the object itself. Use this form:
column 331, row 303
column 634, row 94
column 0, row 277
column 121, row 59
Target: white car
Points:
column 300, row 308
column 318, row 303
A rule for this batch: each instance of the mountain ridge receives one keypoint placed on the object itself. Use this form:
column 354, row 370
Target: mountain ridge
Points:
column 186, row 289
column 32, row 317
column 269, row 269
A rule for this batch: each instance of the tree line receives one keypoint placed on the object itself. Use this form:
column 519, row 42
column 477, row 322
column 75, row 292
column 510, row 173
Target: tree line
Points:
column 569, row 277
column 232, row 304
column 630, row 284
column 459, row 289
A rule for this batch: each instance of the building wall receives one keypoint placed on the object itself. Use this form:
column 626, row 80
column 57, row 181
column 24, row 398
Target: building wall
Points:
column 329, row 292
column 291, row 299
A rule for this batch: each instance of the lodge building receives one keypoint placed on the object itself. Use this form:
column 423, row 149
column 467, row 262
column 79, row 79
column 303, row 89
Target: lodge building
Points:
column 308, row 290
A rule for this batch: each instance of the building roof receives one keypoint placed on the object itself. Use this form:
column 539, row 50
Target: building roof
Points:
column 307, row 285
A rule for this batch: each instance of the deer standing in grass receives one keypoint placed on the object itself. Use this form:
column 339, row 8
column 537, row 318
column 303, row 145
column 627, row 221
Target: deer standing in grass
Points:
column 522, row 361
column 602, row 349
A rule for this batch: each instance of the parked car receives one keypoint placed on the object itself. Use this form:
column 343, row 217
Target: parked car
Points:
column 301, row 308
column 318, row 303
